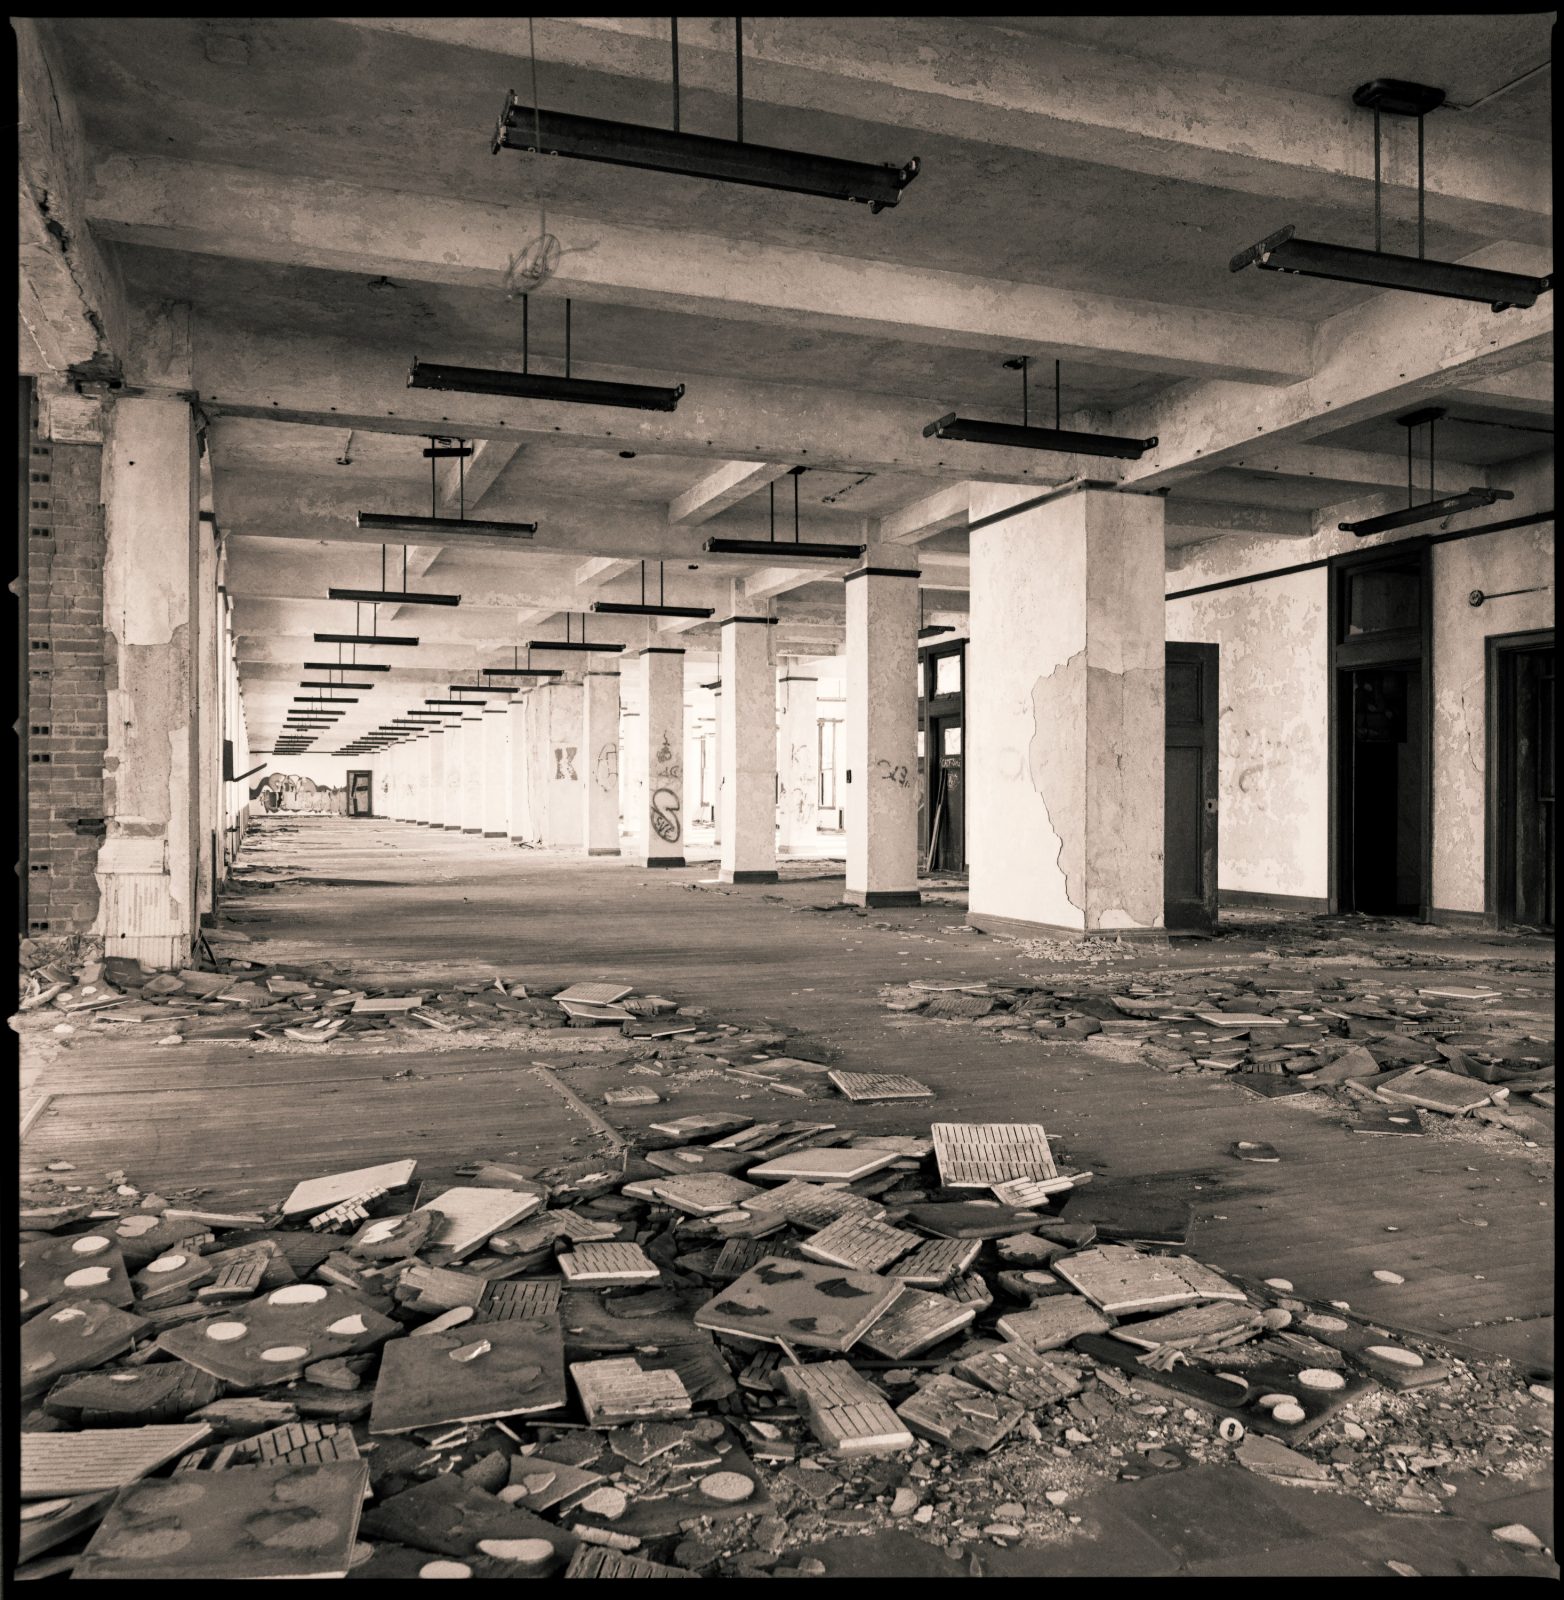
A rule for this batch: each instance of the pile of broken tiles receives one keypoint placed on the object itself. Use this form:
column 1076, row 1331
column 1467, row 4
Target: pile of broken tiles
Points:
column 690, row 1364
column 1385, row 1052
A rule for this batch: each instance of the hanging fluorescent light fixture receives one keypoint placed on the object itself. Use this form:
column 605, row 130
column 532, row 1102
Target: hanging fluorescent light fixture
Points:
column 688, row 155
column 567, row 643
column 310, row 683
column 393, row 597
column 1283, row 251
column 338, row 666
column 1429, row 510
column 622, row 608
column 390, row 522
column 965, row 430
column 525, row 672
column 798, row 550
column 408, row 639
column 542, row 386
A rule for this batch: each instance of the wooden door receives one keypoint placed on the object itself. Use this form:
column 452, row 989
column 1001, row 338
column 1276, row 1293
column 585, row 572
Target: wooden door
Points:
column 1190, row 788
column 1525, row 799
column 948, row 795
column 360, row 803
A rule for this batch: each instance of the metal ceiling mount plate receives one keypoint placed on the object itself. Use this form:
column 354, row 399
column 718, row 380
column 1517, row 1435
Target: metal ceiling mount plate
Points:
column 1397, row 97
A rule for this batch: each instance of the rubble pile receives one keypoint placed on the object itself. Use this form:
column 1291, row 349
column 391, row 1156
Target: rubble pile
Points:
column 1386, row 1052
column 695, row 1356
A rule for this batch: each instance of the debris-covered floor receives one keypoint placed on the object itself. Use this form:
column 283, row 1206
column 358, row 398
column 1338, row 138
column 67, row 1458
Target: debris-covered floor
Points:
column 471, row 1211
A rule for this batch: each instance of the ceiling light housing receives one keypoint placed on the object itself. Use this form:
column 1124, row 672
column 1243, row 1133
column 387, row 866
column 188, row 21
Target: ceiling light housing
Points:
column 625, row 608
column 346, row 666
column 405, row 639
column 587, row 645
column 309, row 683
column 692, row 155
column 423, row 527
column 525, row 672
column 543, row 386
column 783, row 550
column 1446, row 506
column 393, row 597
column 965, row 430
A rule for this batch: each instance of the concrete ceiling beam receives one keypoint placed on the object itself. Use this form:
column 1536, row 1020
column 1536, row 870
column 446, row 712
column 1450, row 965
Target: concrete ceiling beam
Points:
column 1191, row 519
column 1391, row 353
column 311, row 222
column 1015, row 90
column 948, row 507
column 1373, row 468
column 726, row 486
column 341, row 383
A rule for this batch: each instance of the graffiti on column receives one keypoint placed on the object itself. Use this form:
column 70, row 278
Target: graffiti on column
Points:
column 892, row 774
column 605, row 769
column 565, row 762
column 668, row 771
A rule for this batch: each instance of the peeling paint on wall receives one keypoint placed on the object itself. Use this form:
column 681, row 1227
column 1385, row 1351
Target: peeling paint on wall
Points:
column 1054, row 769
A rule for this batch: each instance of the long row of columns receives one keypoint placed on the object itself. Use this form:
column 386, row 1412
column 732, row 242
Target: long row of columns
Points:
column 1063, row 736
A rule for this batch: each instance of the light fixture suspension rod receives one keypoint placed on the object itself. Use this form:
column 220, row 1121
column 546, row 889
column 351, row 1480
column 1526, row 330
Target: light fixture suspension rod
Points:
column 1056, row 396
column 738, row 53
column 1026, row 415
column 526, row 302
column 1409, row 466
column 797, row 474
column 772, row 486
column 675, row 22
column 461, row 481
column 567, row 336
column 1420, row 192
column 1378, row 242
column 1432, row 491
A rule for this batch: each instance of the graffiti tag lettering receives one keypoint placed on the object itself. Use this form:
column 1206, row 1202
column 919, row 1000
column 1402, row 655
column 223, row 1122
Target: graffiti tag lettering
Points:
column 665, row 815
column 892, row 774
column 565, row 762
column 605, row 770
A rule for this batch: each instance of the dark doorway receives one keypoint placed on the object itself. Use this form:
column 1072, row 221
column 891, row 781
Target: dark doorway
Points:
column 1380, row 713
column 1521, row 713
column 1190, row 789
column 942, row 813
column 360, row 802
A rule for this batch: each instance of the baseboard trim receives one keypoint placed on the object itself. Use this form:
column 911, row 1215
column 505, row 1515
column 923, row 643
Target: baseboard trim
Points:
column 472, row 830
column 871, row 898
column 1021, row 928
column 1303, row 904
column 604, row 850
column 1468, row 921
column 664, row 861
column 757, row 876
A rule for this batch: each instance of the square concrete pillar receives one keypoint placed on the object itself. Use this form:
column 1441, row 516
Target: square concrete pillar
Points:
column 600, row 763
column 882, row 729
column 521, row 768
column 209, row 712
column 147, row 863
column 656, row 749
column 716, row 759
column 747, row 786
column 496, row 773
column 798, row 762
column 561, row 765
column 438, row 741
column 455, row 766
column 474, row 764
column 1065, row 731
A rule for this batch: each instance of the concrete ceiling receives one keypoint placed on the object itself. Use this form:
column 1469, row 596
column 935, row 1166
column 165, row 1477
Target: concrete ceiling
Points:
column 321, row 195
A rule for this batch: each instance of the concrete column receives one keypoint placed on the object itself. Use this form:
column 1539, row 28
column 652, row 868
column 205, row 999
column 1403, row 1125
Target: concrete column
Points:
column 657, row 756
column 455, row 756
column 209, row 714
column 520, row 821
column 747, row 792
column 147, row 875
column 798, row 762
column 496, row 772
column 474, row 762
column 882, row 729
column 418, row 782
column 438, row 740
column 600, row 763
column 561, row 761
column 1065, row 731
column 716, row 760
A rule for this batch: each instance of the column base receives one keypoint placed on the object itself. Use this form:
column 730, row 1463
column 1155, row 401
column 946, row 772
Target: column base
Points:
column 495, row 833
column 882, row 897
column 603, row 850
column 757, row 876
column 664, row 861
column 472, row 830
column 1024, row 929
column 420, row 824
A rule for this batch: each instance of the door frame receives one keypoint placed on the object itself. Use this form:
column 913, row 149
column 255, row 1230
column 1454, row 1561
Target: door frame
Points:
column 931, row 706
column 357, row 772
column 1499, row 805
column 1407, row 648
column 1208, row 657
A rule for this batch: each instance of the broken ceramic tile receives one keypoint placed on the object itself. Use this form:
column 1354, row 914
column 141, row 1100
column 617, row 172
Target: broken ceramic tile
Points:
column 958, row 1414
column 471, row 1215
column 1216, row 1321
column 70, row 1336
column 699, row 1158
column 273, row 1339
column 545, row 1483
column 591, row 1561
column 619, row 1390
column 467, row 1374
column 860, row 1242
column 47, row 1523
column 936, row 1261
column 167, row 1392
column 811, row 1205
column 605, row 994
column 247, row 1522
column 880, row 1086
column 815, row 1165
column 1118, row 1279
column 972, row 1219
column 526, row 1300
column 845, row 1412
column 1438, row 1091
column 703, row 1193
column 700, row 1125
column 1402, row 1120
column 97, row 1459
column 797, row 1302
column 607, row 1265
column 631, row 1097
column 316, row 1194
column 916, row 1321
column 86, row 1266
column 1052, row 1322
column 297, row 1443
column 1021, row 1374
column 1036, row 1191
column 977, row 1155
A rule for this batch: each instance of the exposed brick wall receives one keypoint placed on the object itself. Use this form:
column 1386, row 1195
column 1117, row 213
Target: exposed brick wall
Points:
column 67, row 705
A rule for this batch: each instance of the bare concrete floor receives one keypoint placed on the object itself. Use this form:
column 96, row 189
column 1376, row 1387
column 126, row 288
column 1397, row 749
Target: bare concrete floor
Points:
column 1464, row 1217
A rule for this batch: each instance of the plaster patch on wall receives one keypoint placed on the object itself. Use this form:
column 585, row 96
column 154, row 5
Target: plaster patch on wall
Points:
column 1057, row 699
column 1125, row 817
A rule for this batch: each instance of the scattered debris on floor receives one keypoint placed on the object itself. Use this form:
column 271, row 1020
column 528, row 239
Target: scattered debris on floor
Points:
column 731, row 1339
